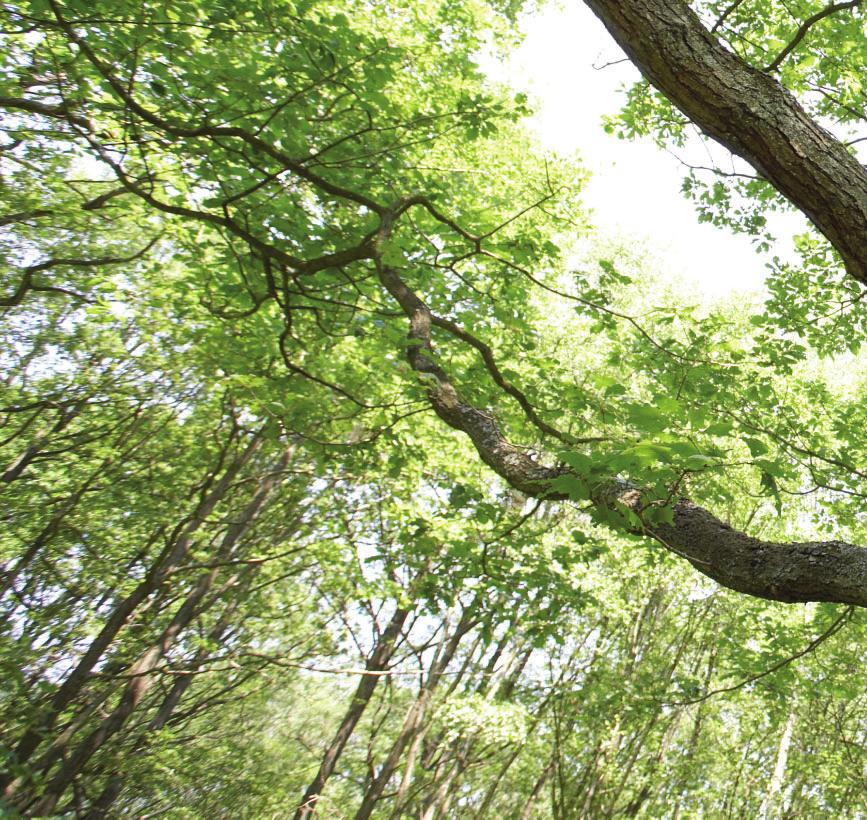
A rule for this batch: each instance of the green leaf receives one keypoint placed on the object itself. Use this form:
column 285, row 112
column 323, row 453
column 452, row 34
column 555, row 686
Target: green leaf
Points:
column 576, row 488
column 769, row 484
column 581, row 463
column 756, row 446
column 720, row 428
column 391, row 254
column 699, row 462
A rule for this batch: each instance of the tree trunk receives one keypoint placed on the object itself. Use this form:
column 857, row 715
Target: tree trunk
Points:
column 139, row 672
column 414, row 718
column 776, row 784
column 79, row 676
column 377, row 662
column 112, row 790
column 527, row 811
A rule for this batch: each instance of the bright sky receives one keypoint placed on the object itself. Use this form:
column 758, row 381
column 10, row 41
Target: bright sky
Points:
column 635, row 187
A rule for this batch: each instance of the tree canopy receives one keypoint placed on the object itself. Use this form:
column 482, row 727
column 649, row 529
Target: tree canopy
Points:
column 346, row 470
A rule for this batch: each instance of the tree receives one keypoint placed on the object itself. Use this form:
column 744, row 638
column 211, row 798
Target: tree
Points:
column 222, row 221
column 744, row 107
column 829, row 570
column 761, row 122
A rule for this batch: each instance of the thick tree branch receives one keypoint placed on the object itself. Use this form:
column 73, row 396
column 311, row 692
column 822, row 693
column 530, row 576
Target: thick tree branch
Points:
column 748, row 112
column 504, row 458
column 830, row 571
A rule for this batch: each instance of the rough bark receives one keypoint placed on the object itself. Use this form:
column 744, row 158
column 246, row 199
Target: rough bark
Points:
column 830, row 571
column 748, row 112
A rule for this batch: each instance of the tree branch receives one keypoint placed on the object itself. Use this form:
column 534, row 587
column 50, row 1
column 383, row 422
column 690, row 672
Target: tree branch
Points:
column 749, row 113
column 815, row 643
column 206, row 130
column 830, row 571
column 516, row 393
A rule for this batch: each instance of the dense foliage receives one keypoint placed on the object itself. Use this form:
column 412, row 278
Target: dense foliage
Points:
column 248, row 571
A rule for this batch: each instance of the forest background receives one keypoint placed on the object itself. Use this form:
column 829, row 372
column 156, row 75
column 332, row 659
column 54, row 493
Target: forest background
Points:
column 347, row 468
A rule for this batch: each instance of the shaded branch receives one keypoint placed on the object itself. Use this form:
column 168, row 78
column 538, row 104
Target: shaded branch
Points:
column 724, row 16
column 816, row 642
column 206, row 131
column 498, row 378
column 25, row 216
